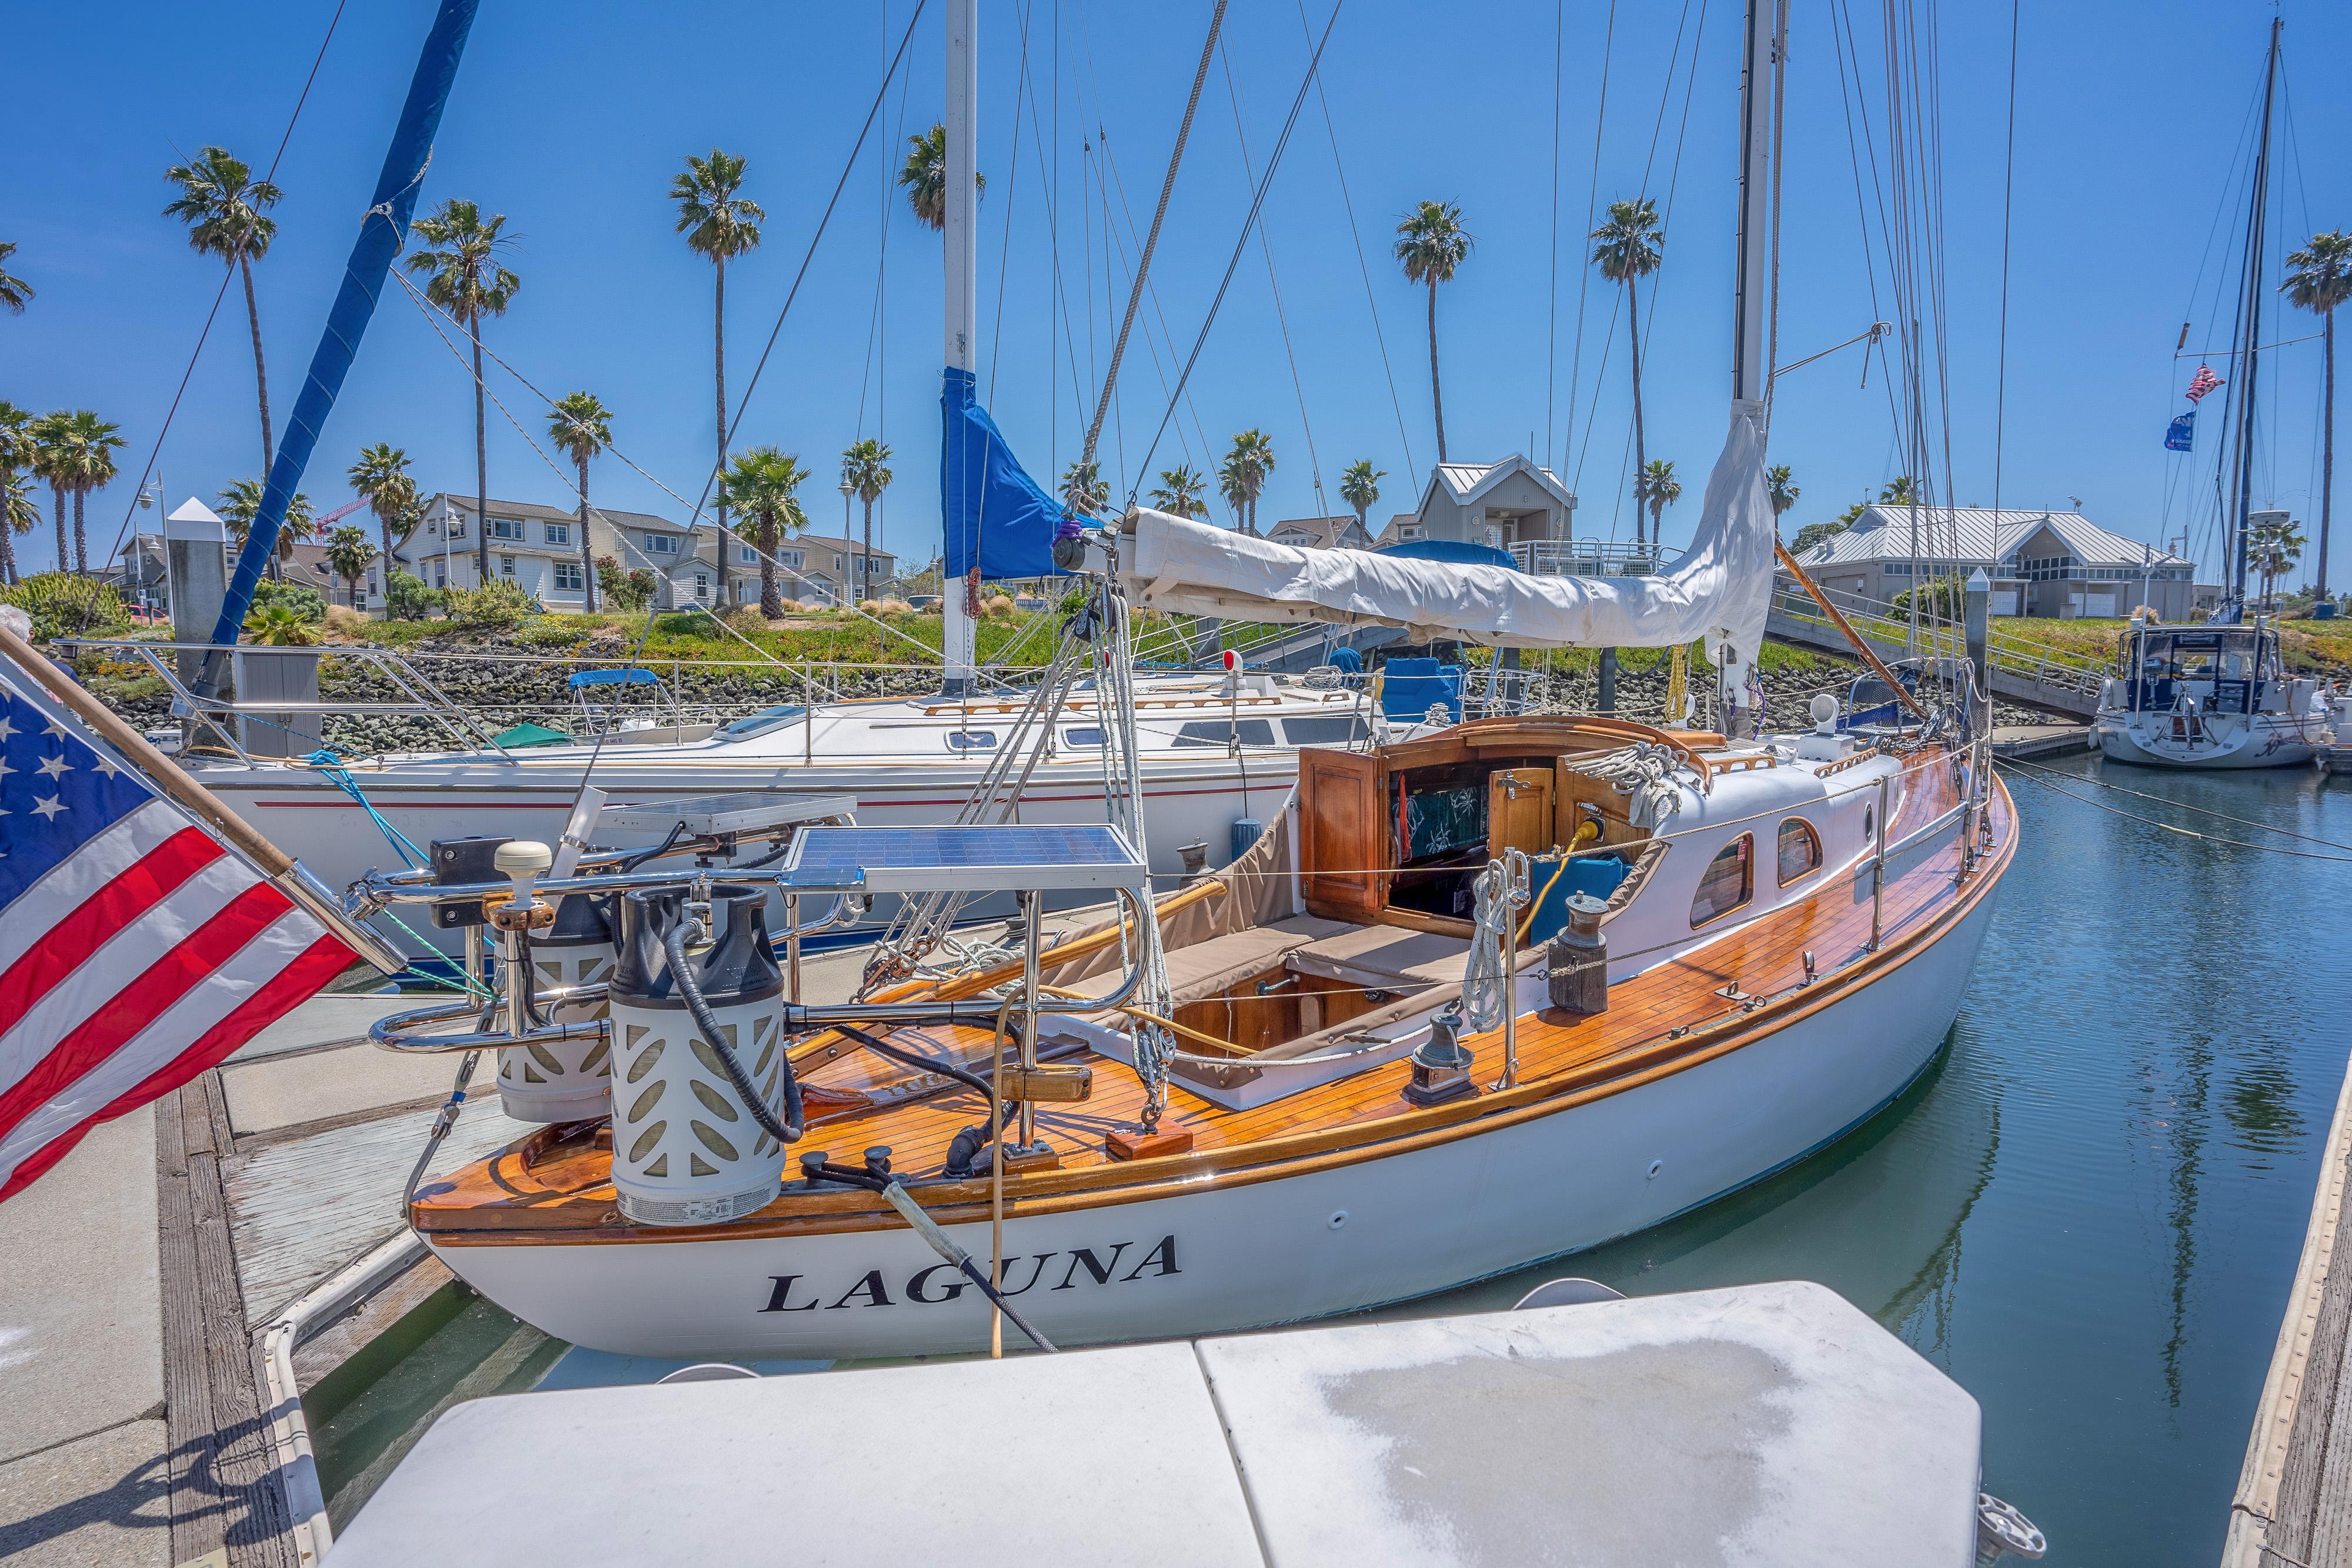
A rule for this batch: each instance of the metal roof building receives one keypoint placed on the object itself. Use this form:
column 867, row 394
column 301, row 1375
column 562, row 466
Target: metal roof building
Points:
column 2056, row 564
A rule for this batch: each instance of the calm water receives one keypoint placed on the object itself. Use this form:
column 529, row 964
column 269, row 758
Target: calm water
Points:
column 2087, row 1212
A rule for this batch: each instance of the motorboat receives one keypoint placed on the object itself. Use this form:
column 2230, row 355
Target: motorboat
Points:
column 2207, row 696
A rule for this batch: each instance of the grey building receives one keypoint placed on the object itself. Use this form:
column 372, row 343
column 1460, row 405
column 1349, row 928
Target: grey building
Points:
column 1342, row 532
column 2060, row 565
column 1503, row 504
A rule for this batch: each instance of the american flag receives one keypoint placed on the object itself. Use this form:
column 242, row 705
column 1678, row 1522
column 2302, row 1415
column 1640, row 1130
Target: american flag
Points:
column 2203, row 381
column 136, row 948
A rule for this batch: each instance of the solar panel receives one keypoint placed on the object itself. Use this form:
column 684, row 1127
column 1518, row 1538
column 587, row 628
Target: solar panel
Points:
column 962, row 859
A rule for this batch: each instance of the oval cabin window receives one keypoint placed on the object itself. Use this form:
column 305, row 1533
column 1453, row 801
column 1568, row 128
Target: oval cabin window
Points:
column 1727, row 882
column 1801, row 850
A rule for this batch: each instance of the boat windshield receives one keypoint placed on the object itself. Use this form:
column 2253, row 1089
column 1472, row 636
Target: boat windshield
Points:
column 2196, row 655
column 763, row 721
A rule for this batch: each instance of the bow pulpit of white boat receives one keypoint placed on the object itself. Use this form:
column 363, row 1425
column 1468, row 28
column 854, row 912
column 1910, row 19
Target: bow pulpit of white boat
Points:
column 1767, row 1424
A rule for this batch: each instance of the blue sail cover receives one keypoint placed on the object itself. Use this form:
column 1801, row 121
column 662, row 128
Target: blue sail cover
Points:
column 991, row 513
column 383, row 229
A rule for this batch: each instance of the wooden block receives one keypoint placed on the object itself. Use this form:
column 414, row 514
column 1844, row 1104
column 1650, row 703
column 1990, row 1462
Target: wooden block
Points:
column 1135, row 1144
column 1039, row 1158
column 1046, row 1083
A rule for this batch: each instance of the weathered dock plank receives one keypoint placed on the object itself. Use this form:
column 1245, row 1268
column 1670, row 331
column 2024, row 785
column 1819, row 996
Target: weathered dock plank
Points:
column 219, row 1466
column 2294, row 1501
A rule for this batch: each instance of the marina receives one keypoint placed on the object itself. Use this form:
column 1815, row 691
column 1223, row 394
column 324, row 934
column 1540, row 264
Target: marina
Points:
column 540, row 1028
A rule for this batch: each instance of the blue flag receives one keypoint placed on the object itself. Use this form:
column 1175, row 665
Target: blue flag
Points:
column 2180, row 435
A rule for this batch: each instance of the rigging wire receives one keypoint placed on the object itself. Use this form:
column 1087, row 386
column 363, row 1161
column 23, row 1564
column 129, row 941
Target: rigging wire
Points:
column 131, row 512
column 1273, row 281
column 1348, row 204
column 2184, row 832
column 1584, row 268
column 1551, row 276
column 1241, row 242
column 1151, row 239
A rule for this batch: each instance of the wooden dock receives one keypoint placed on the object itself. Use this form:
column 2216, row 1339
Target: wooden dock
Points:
column 2029, row 740
column 2292, row 1508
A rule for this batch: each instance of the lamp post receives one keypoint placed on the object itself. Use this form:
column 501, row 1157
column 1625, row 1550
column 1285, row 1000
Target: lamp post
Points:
column 858, row 572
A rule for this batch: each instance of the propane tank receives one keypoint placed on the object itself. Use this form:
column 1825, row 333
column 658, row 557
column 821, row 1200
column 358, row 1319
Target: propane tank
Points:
column 686, row 1150
column 570, row 1080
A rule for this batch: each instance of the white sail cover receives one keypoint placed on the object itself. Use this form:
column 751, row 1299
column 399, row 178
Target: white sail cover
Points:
column 1718, row 592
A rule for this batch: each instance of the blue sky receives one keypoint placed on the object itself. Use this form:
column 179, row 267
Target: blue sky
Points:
column 572, row 118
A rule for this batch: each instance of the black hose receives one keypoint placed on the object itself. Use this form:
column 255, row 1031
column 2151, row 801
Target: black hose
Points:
column 787, row 1130
column 909, row 1059
column 659, row 849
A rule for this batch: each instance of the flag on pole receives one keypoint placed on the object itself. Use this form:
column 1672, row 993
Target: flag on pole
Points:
column 2203, row 381
column 137, row 949
column 2180, row 435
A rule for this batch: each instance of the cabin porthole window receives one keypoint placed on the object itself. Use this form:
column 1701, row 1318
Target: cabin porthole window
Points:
column 1728, row 882
column 1801, row 850
column 1869, row 825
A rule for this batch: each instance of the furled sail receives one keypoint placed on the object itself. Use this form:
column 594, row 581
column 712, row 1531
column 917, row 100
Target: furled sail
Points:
column 993, row 516
column 1717, row 593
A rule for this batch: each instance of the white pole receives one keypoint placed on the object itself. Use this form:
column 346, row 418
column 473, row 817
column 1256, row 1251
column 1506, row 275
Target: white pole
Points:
column 962, row 286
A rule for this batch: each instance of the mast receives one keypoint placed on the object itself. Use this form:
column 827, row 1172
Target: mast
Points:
column 1752, row 307
column 963, row 260
column 2251, row 325
column 1751, row 285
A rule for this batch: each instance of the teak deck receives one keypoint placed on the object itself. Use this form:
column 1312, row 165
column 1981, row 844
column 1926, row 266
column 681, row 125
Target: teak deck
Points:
column 1659, row 1022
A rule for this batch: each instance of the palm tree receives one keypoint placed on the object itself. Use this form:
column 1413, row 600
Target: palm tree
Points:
column 19, row 514
column 1627, row 248
column 1780, row 490
column 18, row 454
column 1084, row 491
column 763, row 487
column 925, row 176
column 1179, row 494
column 2319, row 278
column 382, row 479
column 14, row 292
column 51, row 436
column 1898, row 491
column 349, row 551
column 226, row 209
column 2273, row 549
column 582, row 427
column 241, row 503
column 866, row 468
column 721, row 224
column 1658, row 487
column 463, row 276
column 95, row 443
column 1430, row 243
column 1243, row 477
column 1359, row 487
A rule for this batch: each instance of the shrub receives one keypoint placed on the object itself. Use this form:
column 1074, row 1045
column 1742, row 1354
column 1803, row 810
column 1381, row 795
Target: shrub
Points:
column 793, row 607
column 346, row 622
column 306, row 603
column 996, row 604
column 63, row 604
column 497, row 605
column 279, row 625
column 747, row 620
column 551, row 633
column 406, row 597
column 1939, row 597
column 624, row 590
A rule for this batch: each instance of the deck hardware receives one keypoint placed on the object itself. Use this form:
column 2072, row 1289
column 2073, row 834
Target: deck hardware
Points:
column 1441, row 1064
column 1679, row 1031
column 1655, row 1166
column 1730, row 992
column 1338, row 1218
column 1267, row 988
column 1877, row 865
column 1810, row 976
column 1579, row 958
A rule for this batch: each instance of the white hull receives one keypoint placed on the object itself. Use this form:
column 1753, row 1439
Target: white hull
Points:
column 2264, row 740
column 1242, row 1255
